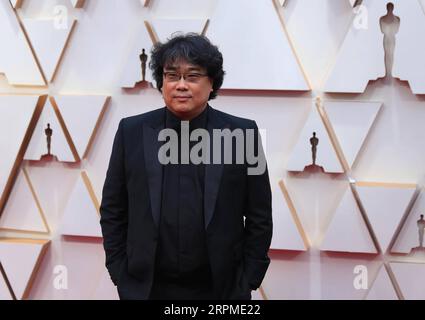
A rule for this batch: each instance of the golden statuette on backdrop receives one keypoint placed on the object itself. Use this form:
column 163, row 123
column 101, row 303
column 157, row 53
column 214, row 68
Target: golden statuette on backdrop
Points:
column 420, row 250
column 313, row 167
column 48, row 156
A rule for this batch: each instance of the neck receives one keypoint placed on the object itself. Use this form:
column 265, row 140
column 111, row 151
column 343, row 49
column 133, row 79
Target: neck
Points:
column 188, row 116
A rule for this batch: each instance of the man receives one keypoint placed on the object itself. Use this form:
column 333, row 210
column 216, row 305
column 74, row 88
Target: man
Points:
column 184, row 230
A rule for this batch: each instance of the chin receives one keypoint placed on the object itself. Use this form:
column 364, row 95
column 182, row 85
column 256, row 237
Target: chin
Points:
column 182, row 109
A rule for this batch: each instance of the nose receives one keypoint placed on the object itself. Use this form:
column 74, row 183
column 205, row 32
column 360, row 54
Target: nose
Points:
column 181, row 84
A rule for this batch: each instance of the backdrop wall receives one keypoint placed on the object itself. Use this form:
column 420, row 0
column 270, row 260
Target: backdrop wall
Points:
column 294, row 66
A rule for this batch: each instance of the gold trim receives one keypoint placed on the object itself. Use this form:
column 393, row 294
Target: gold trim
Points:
column 35, row 270
column 29, row 232
column 154, row 36
column 22, row 94
column 68, row 134
column 3, row 275
column 332, row 135
column 65, row 129
column 291, row 45
column 65, row 46
column 382, row 266
column 23, row 240
column 40, row 209
column 151, row 32
column 206, row 25
column 80, row 4
column 332, row 64
column 27, row 38
column 386, row 184
column 394, row 282
column 97, row 125
column 18, row 4
column 90, row 189
column 263, row 293
column 21, row 152
column 403, row 220
column 366, row 219
column 294, row 214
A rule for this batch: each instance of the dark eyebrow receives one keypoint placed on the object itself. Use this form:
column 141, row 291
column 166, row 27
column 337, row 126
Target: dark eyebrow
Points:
column 194, row 69
column 174, row 68
column 170, row 68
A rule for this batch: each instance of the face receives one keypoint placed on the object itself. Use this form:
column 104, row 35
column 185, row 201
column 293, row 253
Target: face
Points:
column 186, row 98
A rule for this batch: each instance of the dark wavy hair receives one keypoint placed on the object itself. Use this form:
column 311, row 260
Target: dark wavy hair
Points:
column 191, row 47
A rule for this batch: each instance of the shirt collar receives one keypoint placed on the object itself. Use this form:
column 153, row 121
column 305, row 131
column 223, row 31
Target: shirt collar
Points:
column 200, row 121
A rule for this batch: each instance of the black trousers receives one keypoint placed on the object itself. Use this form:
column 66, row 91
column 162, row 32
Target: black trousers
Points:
column 184, row 288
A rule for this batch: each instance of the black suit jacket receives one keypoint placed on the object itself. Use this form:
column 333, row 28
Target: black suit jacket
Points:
column 130, row 211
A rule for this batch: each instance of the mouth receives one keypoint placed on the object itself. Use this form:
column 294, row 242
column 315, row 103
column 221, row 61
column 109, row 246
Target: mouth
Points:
column 182, row 98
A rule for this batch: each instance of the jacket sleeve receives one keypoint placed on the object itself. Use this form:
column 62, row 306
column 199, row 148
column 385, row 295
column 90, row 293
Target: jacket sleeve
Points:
column 114, row 208
column 258, row 217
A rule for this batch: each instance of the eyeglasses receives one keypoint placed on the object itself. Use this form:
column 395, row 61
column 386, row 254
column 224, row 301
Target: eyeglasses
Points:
column 190, row 77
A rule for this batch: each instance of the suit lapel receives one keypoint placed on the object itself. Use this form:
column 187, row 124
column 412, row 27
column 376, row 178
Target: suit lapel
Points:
column 151, row 147
column 213, row 172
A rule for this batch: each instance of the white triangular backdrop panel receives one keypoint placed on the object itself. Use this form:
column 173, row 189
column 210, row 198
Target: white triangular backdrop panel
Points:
column 132, row 72
column 411, row 279
column 4, row 290
column 165, row 28
column 348, row 231
column 382, row 288
column 16, row 59
column 286, row 235
column 408, row 236
column 269, row 57
column 301, row 155
column 358, row 63
column 38, row 143
column 21, row 211
column 80, row 207
column 409, row 63
column 385, row 206
column 351, row 122
column 15, row 116
column 48, row 38
column 90, row 110
column 19, row 260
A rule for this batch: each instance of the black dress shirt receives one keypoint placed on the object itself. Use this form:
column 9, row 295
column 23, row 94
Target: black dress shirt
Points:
column 182, row 265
